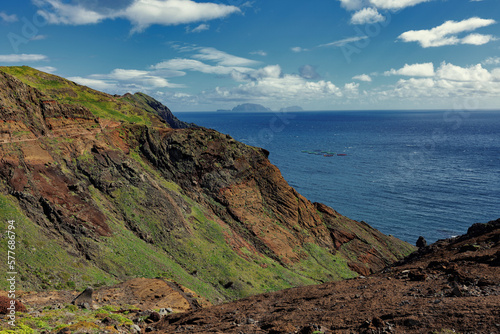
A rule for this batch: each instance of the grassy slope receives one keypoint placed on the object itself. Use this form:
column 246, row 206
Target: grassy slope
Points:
column 65, row 91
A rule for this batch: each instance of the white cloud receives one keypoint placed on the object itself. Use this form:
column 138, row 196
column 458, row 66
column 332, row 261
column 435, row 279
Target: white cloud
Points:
column 259, row 53
column 477, row 39
column 345, row 41
column 17, row 58
column 456, row 73
column 395, row 4
column 146, row 79
column 144, row 13
column 63, row 13
column 287, row 87
column 447, row 33
column 448, row 83
column 382, row 4
column 362, row 77
column 353, row 4
column 492, row 61
column 200, row 28
column 48, row 69
column 495, row 73
column 141, row 13
column 298, row 49
column 223, row 58
column 8, row 18
column 414, row 70
column 129, row 80
column 185, row 64
column 367, row 16
column 101, row 85
column 38, row 38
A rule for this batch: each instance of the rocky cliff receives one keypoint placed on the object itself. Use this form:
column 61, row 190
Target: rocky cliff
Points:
column 104, row 188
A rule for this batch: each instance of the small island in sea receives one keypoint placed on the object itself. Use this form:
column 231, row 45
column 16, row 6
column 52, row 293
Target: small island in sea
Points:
column 250, row 107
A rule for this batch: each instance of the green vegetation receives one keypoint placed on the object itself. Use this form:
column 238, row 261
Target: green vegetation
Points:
column 65, row 91
column 41, row 262
column 52, row 320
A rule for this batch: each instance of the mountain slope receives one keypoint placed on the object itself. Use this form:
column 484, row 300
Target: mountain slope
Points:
column 452, row 286
column 103, row 189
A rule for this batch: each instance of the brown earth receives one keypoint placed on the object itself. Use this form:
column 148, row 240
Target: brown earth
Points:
column 141, row 293
column 5, row 304
column 450, row 286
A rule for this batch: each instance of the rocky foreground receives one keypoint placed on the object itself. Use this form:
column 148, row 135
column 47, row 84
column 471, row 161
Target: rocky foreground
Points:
column 448, row 287
column 452, row 286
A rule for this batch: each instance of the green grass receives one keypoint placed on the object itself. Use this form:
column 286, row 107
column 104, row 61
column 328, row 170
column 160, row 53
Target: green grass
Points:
column 41, row 262
column 75, row 319
column 65, row 91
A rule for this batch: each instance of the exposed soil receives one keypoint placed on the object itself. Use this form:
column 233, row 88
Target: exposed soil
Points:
column 142, row 293
column 453, row 285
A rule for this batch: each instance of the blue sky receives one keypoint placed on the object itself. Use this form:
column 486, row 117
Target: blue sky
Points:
column 318, row 54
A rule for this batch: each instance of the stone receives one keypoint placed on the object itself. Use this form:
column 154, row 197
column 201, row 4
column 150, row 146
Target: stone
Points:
column 456, row 292
column 154, row 317
column 421, row 242
column 164, row 312
column 84, row 299
column 135, row 329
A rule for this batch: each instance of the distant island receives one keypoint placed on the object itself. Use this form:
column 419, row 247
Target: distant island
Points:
column 293, row 108
column 250, row 107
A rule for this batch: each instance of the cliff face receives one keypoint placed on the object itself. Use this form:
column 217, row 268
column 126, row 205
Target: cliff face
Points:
column 102, row 189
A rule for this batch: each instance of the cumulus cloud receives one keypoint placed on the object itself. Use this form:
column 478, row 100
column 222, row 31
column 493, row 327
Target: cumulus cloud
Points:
column 362, row 77
column 141, row 13
column 286, row 87
column 367, row 16
column 456, row 73
column 414, row 70
column 491, row 61
column 449, row 82
column 8, row 18
column 18, row 58
column 447, row 33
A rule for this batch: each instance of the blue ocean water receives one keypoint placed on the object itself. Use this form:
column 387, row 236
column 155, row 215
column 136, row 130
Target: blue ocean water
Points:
column 429, row 173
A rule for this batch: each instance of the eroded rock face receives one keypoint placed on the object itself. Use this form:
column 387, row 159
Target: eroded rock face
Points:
column 104, row 190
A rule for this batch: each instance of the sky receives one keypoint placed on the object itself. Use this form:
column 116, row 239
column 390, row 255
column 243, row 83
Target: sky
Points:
column 317, row 54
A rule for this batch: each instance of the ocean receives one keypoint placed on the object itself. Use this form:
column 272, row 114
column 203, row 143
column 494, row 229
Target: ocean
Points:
column 406, row 173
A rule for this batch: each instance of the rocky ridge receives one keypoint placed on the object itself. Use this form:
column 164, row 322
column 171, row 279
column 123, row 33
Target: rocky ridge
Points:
column 106, row 190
